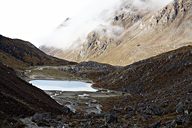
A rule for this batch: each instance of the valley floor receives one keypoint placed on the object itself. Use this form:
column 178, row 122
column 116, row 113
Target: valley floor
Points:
column 166, row 106
column 153, row 93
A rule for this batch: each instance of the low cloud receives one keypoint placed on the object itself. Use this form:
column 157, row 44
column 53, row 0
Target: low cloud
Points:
column 151, row 4
column 94, row 15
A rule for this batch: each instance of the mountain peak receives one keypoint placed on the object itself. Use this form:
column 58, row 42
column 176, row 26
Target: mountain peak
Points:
column 173, row 10
column 145, row 33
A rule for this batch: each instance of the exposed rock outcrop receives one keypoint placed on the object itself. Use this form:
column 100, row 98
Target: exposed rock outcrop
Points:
column 146, row 33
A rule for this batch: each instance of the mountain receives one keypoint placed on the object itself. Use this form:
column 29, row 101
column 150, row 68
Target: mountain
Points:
column 160, row 91
column 19, row 54
column 154, row 92
column 51, row 50
column 168, row 69
column 146, row 33
column 157, row 33
column 20, row 99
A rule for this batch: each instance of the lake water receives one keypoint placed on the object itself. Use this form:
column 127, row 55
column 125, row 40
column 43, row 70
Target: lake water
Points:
column 57, row 85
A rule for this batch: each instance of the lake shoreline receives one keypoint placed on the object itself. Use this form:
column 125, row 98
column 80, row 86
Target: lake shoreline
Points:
column 63, row 85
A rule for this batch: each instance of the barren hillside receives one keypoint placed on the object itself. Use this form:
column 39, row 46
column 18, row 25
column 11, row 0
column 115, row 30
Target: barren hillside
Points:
column 146, row 33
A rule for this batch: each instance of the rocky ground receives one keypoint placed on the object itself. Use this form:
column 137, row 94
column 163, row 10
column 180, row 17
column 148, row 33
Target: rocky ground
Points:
column 152, row 93
column 84, row 71
column 85, row 102
column 19, row 100
column 160, row 87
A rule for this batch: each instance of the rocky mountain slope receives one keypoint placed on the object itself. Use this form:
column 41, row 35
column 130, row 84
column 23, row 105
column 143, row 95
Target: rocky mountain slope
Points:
column 170, row 68
column 19, row 54
column 163, row 31
column 146, row 33
column 20, row 99
column 160, row 89
column 155, row 93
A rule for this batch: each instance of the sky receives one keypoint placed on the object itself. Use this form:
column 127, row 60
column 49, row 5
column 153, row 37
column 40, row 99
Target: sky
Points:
column 34, row 20
column 37, row 21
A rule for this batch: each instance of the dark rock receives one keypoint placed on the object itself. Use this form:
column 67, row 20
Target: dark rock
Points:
column 66, row 110
column 104, row 126
column 146, row 117
column 180, row 107
column 156, row 125
column 46, row 119
column 111, row 118
column 190, row 116
column 41, row 116
column 130, row 111
column 153, row 110
column 116, row 18
column 182, row 119
column 42, row 119
column 170, row 124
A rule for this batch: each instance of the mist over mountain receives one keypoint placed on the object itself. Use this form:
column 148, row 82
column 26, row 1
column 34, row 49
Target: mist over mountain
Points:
column 123, row 64
column 135, row 31
column 72, row 32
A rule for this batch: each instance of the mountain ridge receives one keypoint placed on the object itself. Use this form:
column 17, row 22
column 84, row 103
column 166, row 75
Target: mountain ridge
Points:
column 146, row 36
column 20, row 54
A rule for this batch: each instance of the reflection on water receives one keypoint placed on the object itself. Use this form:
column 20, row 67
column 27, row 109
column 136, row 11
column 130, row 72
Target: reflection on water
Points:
column 63, row 85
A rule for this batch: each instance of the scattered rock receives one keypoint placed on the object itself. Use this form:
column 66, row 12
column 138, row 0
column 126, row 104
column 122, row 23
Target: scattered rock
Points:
column 182, row 120
column 47, row 120
column 156, row 125
column 111, row 118
column 153, row 110
column 180, row 108
column 130, row 111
